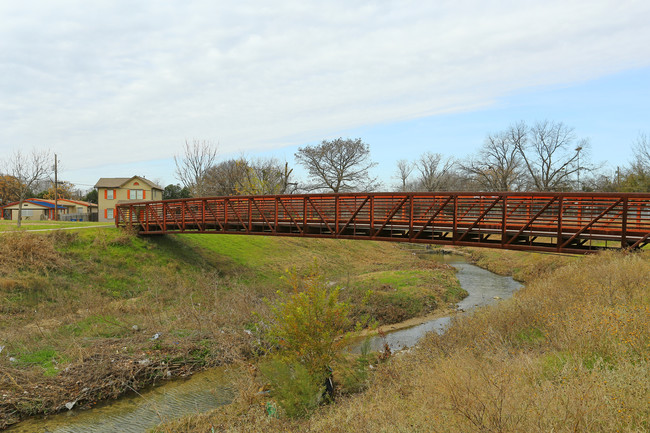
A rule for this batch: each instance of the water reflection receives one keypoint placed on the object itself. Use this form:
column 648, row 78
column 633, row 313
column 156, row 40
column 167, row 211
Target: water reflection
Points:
column 483, row 286
column 138, row 413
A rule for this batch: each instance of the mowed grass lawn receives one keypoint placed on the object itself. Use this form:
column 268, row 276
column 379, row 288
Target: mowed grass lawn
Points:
column 7, row 225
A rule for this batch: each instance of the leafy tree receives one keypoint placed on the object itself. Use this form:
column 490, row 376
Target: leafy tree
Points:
column 265, row 177
column 172, row 192
column 9, row 189
column 241, row 176
column 637, row 177
column 225, row 177
column 338, row 165
column 91, row 196
column 65, row 190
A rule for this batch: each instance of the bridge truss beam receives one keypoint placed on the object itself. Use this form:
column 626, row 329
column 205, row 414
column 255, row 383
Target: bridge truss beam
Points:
column 554, row 222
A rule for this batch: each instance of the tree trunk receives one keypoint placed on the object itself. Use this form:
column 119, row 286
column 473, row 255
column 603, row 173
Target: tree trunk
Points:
column 20, row 212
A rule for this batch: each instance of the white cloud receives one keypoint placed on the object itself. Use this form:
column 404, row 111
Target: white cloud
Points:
column 104, row 82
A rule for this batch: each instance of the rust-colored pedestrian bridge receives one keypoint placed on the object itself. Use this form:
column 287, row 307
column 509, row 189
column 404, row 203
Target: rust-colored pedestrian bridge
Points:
column 554, row 222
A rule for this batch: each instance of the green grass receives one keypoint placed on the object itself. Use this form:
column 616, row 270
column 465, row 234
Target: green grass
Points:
column 47, row 359
column 396, row 295
column 406, row 280
column 73, row 295
column 7, row 225
column 97, row 326
column 530, row 335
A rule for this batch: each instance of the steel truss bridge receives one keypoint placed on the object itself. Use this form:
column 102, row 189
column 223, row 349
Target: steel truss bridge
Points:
column 554, row 222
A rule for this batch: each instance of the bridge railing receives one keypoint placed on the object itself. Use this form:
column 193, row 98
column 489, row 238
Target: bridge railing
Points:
column 565, row 222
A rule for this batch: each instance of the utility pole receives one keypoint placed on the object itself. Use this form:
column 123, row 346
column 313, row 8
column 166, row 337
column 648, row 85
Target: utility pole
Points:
column 578, row 149
column 56, row 190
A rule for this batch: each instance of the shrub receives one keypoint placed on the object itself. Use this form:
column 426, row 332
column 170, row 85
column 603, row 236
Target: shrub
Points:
column 354, row 374
column 297, row 391
column 307, row 323
column 305, row 330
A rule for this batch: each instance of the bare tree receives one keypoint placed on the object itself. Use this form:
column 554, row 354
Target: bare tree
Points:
column 550, row 152
column 641, row 149
column 434, row 171
column 241, row 176
column 338, row 165
column 27, row 170
column 404, row 170
column 498, row 164
column 191, row 167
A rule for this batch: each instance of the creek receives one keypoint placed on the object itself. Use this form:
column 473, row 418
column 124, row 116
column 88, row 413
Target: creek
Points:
column 483, row 288
column 207, row 390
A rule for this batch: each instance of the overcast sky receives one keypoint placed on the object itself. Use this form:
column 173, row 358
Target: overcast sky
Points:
column 115, row 87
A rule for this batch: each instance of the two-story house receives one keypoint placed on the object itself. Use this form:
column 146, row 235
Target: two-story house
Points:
column 112, row 191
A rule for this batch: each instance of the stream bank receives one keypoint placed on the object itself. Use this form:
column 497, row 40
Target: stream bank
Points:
column 210, row 389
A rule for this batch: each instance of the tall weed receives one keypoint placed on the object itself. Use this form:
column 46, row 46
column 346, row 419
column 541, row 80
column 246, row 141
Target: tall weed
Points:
column 570, row 352
column 28, row 251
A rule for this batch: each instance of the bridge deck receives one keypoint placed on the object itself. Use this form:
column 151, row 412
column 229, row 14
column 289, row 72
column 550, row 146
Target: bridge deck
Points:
column 560, row 222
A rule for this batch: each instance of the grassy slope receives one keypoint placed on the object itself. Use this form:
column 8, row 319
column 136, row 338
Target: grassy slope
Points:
column 522, row 266
column 69, row 303
column 570, row 352
column 7, row 225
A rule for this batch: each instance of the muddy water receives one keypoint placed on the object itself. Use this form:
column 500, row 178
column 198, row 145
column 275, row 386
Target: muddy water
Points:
column 483, row 286
column 138, row 413
column 210, row 389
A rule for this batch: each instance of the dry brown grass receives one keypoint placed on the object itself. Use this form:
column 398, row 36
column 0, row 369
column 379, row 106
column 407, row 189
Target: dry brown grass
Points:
column 68, row 302
column 570, row 353
column 23, row 250
column 521, row 265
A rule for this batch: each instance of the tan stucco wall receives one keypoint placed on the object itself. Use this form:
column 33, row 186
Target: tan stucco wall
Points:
column 122, row 195
column 38, row 211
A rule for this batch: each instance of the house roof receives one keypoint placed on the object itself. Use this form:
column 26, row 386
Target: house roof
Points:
column 74, row 202
column 37, row 202
column 111, row 182
column 117, row 182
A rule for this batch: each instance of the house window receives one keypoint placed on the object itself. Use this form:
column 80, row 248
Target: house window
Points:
column 136, row 194
column 109, row 194
column 28, row 212
column 109, row 213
